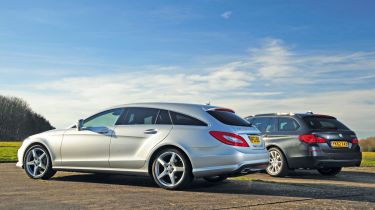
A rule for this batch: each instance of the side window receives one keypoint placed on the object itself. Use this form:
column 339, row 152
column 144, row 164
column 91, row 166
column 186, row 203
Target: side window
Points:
column 182, row 119
column 103, row 119
column 288, row 124
column 264, row 124
column 163, row 118
column 139, row 116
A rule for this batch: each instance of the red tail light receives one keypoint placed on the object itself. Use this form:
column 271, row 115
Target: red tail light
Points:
column 311, row 138
column 229, row 138
column 355, row 141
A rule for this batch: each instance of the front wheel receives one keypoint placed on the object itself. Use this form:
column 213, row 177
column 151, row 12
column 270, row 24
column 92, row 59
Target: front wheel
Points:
column 171, row 169
column 215, row 178
column 329, row 171
column 37, row 163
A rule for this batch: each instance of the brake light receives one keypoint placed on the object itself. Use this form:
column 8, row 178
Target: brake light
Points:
column 222, row 110
column 355, row 141
column 229, row 138
column 311, row 138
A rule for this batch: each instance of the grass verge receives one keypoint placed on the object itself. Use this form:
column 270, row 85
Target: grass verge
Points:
column 368, row 159
column 8, row 151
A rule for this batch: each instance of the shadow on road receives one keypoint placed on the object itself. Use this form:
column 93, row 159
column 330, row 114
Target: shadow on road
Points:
column 346, row 176
column 240, row 187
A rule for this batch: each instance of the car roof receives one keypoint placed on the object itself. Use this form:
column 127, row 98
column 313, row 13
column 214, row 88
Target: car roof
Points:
column 290, row 114
column 167, row 105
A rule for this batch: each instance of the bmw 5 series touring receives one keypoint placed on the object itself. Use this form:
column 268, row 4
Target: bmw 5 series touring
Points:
column 171, row 142
column 308, row 141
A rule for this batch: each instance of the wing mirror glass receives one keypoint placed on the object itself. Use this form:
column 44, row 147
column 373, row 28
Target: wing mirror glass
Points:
column 79, row 124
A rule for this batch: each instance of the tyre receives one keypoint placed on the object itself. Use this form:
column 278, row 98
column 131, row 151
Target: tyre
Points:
column 37, row 163
column 215, row 178
column 171, row 169
column 278, row 166
column 329, row 171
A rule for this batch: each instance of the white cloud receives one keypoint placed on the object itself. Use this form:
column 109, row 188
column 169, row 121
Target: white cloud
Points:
column 227, row 14
column 272, row 78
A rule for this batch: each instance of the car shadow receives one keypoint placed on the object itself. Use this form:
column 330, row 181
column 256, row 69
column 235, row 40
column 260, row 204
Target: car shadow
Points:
column 240, row 187
column 345, row 176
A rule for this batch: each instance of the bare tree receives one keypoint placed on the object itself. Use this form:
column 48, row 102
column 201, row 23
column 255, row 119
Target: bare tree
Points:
column 17, row 120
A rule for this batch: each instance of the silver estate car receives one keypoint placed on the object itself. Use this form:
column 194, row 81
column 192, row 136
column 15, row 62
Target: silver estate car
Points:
column 171, row 142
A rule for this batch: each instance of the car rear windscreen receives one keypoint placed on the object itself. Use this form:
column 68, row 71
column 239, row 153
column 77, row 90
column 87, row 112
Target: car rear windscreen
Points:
column 322, row 123
column 229, row 118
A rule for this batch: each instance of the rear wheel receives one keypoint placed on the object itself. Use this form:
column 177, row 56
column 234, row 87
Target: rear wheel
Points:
column 329, row 171
column 171, row 169
column 215, row 178
column 37, row 163
column 277, row 163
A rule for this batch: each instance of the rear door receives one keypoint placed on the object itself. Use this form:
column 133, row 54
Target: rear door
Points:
column 287, row 135
column 136, row 133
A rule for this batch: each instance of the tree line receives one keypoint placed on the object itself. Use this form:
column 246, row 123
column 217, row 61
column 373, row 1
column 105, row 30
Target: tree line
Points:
column 18, row 121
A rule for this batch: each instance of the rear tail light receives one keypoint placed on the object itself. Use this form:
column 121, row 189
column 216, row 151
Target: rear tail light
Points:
column 311, row 138
column 355, row 141
column 229, row 138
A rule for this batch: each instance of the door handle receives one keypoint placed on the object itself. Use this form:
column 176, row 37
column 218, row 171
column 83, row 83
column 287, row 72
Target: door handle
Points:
column 103, row 132
column 150, row 131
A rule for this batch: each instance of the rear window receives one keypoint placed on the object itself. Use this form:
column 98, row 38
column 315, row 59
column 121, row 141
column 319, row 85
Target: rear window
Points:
column 229, row 118
column 322, row 123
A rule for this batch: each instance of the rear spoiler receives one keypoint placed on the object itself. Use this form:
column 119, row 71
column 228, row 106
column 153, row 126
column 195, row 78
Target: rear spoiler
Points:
column 221, row 109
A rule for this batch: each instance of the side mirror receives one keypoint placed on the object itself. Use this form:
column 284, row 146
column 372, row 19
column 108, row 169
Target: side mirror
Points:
column 79, row 124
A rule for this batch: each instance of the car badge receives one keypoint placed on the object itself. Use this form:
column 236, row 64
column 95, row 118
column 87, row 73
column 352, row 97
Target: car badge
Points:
column 340, row 135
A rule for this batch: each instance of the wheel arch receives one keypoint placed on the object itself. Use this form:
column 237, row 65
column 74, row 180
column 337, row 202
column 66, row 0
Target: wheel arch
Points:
column 163, row 147
column 281, row 150
column 37, row 142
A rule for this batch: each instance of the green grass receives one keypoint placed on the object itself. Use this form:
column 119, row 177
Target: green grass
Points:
column 8, row 151
column 368, row 159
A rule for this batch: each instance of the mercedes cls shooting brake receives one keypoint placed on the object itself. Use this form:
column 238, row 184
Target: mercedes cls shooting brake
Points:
column 171, row 142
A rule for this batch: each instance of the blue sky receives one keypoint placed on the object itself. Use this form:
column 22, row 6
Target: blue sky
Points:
column 69, row 59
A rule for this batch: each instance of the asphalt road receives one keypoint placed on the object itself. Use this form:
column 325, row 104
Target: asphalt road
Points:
column 352, row 189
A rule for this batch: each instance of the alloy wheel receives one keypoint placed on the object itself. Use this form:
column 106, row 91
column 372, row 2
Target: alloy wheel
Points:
column 275, row 163
column 36, row 162
column 169, row 169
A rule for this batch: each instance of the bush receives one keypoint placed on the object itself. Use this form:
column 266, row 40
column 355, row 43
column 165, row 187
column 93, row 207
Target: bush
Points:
column 368, row 144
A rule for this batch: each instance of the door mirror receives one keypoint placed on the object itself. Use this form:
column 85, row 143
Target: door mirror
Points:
column 79, row 124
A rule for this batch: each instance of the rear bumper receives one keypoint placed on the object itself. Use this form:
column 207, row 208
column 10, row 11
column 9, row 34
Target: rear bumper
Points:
column 233, row 163
column 249, row 169
column 326, row 160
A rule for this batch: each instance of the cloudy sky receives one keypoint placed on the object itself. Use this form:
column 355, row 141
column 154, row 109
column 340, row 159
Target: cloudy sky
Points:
column 69, row 59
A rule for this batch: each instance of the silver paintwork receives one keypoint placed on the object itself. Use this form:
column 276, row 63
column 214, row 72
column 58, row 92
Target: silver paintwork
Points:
column 128, row 148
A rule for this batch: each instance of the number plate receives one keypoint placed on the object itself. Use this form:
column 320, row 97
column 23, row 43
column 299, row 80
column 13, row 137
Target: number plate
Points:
column 339, row 144
column 254, row 139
